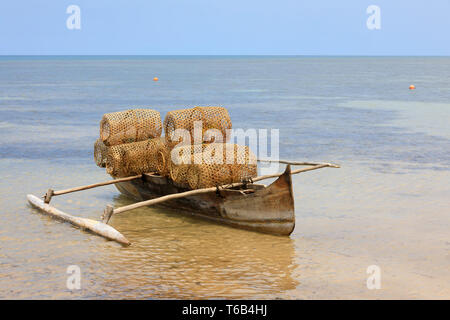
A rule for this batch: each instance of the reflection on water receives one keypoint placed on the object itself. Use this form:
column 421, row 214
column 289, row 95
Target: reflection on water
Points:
column 387, row 205
column 174, row 255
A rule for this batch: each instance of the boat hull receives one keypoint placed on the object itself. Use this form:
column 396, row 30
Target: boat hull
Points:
column 257, row 207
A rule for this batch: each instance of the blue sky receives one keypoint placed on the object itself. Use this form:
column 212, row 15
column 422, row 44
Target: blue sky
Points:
column 208, row 27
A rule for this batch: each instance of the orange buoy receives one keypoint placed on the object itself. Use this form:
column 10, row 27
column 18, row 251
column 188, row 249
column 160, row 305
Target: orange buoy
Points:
column 412, row 87
column 155, row 79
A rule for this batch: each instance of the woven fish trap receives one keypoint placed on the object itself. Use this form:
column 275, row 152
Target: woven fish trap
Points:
column 100, row 153
column 212, row 165
column 211, row 175
column 130, row 126
column 179, row 161
column 162, row 157
column 178, row 174
column 216, row 118
column 134, row 158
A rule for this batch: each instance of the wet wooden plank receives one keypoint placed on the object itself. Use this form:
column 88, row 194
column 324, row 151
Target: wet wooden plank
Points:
column 94, row 226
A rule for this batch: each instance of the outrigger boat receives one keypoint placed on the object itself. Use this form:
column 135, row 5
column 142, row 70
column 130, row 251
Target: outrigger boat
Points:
column 251, row 206
column 247, row 205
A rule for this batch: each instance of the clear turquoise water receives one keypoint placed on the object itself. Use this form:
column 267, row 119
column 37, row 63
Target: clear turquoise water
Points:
column 387, row 205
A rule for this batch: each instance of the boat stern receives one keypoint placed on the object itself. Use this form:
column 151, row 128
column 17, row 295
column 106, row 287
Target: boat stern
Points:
column 268, row 210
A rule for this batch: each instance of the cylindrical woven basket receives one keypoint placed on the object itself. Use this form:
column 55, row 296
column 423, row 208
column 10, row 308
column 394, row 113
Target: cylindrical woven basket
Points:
column 134, row 158
column 179, row 161
column 199, row 168
column 216, row 118
column 204, row 176
column 178, row 174
column 130, row 126
column 161, row 158
column 100, row 152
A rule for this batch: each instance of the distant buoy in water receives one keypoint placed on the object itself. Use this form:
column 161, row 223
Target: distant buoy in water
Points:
column 412, row 87
column 156, row 79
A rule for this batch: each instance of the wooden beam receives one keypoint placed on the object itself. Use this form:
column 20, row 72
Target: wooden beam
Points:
column 48, row 196
column 207, row 190
column 95, row 185
column 298, row 163
column 109, row 210
column 50, row 193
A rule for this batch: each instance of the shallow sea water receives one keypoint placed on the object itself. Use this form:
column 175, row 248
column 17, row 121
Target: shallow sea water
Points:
column 388, row 205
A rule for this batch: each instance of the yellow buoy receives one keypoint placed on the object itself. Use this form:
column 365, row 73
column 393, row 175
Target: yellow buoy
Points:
column 155, row 79
column 412, row 87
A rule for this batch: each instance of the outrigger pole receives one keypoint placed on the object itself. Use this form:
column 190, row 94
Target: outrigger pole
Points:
column 103, row 229
column 297, row 163
column 50, row 192
column 109, row 210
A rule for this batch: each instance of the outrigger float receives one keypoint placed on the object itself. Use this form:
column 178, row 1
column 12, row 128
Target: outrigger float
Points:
column 245, row 204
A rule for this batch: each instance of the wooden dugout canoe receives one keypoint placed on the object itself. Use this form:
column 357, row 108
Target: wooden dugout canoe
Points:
column 267, row 209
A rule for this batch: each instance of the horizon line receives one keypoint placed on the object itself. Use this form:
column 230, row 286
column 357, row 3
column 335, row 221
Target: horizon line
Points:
column 215, row 55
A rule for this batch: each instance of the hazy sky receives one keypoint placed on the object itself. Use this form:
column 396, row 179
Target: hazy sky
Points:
column 295, row 27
